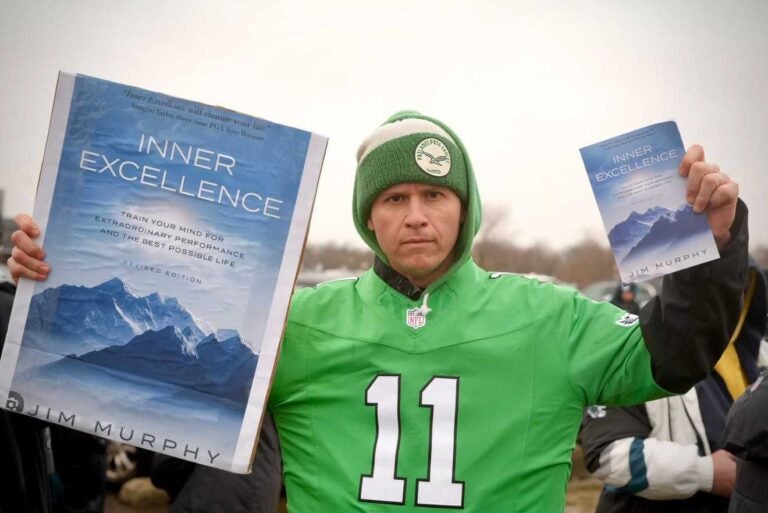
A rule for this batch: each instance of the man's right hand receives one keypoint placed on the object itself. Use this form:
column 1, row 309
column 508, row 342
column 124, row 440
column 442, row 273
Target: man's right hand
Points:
column 724, row 472
column 26, row 256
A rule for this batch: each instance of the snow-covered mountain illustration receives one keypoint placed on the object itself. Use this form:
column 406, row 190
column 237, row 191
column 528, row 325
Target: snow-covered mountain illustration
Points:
column 626, row 234
column 669, row 230
column 73, row 319
column 222, row 368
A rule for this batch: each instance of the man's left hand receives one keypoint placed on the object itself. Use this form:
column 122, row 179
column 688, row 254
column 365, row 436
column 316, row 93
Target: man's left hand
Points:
column 710, row 191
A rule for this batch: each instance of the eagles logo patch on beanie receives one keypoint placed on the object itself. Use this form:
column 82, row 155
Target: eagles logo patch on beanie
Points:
column 433, row 157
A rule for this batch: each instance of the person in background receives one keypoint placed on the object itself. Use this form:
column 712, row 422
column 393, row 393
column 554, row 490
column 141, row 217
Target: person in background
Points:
column 625, row 298
column 671, row 454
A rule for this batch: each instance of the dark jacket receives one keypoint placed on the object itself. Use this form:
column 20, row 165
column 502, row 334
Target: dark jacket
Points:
column 746, row 435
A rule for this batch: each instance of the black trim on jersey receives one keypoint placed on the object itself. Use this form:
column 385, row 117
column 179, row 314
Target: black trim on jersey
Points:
column 687, row 327
column 396, row 280
column 376, row 442
column 431, row 436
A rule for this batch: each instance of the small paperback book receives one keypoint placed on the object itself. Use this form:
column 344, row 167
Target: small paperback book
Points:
column 173, row 230
column 652, row 230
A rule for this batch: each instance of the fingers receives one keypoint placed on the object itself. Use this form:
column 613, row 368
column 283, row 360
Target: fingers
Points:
column 696, row 175
column 24, row 242
column 26, row 255
column 725, row 194
column 694, row 154
column 712, row 191
column 29, row 262
column 703, row 182
column 21, row 271
column 27, row 225
column 708, row 187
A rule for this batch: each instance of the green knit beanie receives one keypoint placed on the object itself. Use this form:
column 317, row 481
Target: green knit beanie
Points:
column 407, row 148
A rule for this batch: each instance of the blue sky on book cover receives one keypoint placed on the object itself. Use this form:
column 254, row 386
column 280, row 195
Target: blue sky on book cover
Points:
column 642, row 201
column 166, row 234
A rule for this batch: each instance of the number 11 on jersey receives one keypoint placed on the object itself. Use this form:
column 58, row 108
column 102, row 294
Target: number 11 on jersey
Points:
column 440, row 487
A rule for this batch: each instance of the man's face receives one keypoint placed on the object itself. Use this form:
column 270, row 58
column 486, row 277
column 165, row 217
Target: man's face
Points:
column 416, row 227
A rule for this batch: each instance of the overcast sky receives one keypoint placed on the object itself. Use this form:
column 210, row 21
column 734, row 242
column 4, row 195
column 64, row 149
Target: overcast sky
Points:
column 524, row 83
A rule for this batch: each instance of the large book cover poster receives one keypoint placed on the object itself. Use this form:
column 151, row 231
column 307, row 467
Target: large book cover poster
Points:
column 641, row 197
column 174, row 232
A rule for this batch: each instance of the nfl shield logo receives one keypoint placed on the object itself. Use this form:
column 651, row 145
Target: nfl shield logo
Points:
column 415, row 318
column 596, row 411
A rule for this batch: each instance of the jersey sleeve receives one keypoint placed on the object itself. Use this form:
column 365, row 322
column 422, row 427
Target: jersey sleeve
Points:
column 608, row 362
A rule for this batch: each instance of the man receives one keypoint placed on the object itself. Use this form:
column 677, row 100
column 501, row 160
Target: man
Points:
column 668, row 454
column 430, row 383
column 625, row 297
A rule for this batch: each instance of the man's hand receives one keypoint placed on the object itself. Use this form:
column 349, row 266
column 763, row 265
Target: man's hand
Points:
column 710, row 191
column 724, row 473
column 27, row 257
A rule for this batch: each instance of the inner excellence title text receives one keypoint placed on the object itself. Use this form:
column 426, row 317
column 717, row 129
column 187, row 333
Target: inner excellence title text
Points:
column 634, row 160
column 199, row 158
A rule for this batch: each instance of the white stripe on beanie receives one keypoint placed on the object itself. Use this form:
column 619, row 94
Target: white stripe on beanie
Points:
column 397, row 129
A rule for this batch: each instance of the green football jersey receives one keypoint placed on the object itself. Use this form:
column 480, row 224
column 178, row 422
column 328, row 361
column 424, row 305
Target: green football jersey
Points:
column 470, row 399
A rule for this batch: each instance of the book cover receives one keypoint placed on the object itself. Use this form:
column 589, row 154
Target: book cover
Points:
column 641, row 196
column 174, row 232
